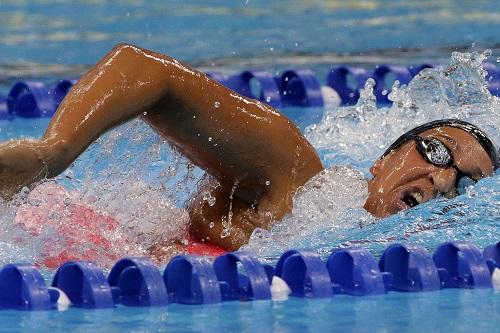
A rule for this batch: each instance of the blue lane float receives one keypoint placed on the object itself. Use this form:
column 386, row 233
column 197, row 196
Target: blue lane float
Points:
column 493, row 78
column 30, row 99
column 192, row 280
column 347, row 81
column 305, row 273
column 237, row 276
column 294, row 87
column 384, row 76
column 300, row 87
column 85, row 285
column 416, row 69
column 60, row 90
column 268, row 90
column 22, row 288
column 250, row 283
column 412, row 268
column 354, row 271
column 137, row 282
column 463, row 264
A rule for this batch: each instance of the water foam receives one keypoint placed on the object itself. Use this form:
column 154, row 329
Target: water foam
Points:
column 122, row 196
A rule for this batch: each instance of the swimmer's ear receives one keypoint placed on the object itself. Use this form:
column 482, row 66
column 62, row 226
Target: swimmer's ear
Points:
column 374, row 170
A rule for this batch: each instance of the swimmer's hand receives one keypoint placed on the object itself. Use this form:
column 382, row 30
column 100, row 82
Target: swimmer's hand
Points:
column 21, row 164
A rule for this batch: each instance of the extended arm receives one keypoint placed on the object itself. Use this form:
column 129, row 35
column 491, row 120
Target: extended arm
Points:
column 258, row 156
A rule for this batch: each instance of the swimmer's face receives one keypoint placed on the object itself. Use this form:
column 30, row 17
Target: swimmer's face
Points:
column 404, row 178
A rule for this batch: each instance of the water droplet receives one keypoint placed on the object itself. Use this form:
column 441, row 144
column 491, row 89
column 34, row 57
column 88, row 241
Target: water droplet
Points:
column 209, row 138
column 268, row 182
column 268, row 99
column 216, row 104
column 209, row 198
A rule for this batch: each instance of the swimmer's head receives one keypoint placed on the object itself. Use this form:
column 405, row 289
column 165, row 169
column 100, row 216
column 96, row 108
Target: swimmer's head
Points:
column 429, row 161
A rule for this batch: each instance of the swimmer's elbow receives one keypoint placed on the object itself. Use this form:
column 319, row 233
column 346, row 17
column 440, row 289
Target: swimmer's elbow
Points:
column 124, row 47
column 125, row 50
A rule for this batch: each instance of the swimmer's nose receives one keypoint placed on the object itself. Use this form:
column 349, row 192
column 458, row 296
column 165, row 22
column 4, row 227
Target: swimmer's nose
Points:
column 444, row 180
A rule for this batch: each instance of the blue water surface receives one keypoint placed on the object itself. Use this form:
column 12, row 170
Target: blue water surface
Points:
column 52, row 39
column 244, row 31
column 443, row 311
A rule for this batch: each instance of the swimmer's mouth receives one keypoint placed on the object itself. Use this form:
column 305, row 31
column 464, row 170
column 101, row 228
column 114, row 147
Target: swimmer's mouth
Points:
column 412, row 199
column 415, row 196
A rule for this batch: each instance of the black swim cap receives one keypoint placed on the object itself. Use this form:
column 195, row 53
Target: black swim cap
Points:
column 473, row 130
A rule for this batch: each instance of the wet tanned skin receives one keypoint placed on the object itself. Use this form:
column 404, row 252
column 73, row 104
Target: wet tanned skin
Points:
column 259, row 157
column 404, row 171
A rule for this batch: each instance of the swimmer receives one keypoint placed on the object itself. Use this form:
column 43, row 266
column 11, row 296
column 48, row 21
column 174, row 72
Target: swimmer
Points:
column 258, row 157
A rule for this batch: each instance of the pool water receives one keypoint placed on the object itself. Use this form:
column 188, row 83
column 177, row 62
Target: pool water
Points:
column 444, row 311
column 48, row 40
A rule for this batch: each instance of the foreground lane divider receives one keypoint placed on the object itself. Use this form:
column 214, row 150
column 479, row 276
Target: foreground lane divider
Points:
column 237, row 276
column 250, row 282
column 463, row 265
column 296, row 87
column 305, row 273
column 22, row 288
column 354, row 271
column 85, row 285
column 137, row 282
column 192, row 280
column 412, row 268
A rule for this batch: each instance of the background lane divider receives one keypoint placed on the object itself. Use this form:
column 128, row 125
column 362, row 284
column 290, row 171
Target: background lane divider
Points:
column 295, row 87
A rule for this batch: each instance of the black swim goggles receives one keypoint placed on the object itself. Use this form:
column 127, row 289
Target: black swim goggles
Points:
column 438, row 154
column 430, row 148
column 433, row 151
